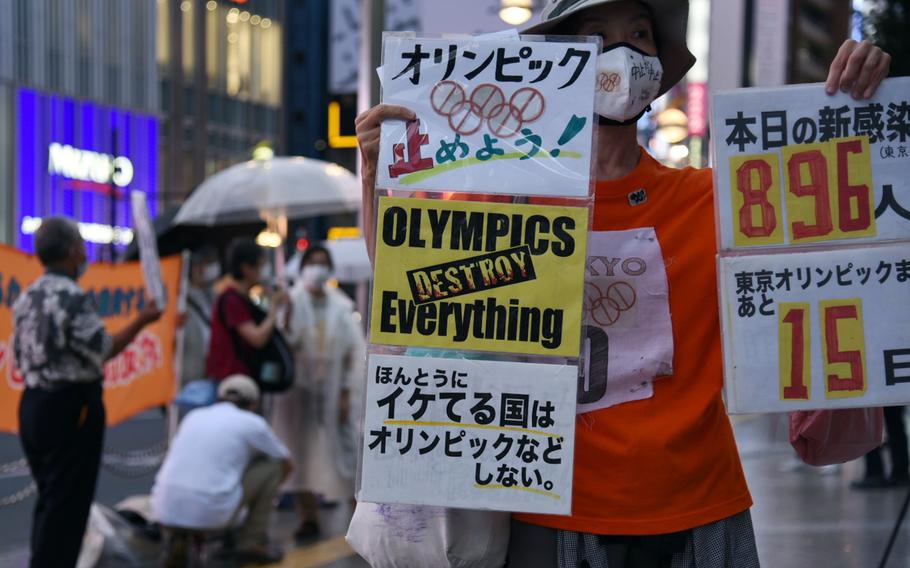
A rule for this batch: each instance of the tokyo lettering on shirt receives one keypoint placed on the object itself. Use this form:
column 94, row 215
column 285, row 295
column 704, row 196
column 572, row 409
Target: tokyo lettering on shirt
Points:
column 628, row 335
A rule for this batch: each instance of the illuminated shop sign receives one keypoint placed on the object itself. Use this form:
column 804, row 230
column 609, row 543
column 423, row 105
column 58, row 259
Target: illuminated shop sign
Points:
column 81, row 159
column 85, row 165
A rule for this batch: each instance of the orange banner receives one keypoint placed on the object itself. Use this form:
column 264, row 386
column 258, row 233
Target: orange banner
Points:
column 142, row 376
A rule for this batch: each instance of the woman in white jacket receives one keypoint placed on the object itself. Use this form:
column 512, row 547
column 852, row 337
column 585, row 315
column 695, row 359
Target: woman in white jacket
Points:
column 315, row 418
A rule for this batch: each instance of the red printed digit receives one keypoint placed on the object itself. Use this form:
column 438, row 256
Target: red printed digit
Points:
column 856, row 381
column 753, row 196
column 796, row 390
column 817, row 188
column 846, row 192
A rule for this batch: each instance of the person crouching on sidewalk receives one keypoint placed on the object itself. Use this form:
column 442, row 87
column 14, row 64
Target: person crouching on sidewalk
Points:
column 223, row 457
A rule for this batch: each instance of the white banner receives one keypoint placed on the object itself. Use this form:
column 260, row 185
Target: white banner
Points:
column 822, row 329
column 494, row 115
column 148, row 248
column 469, row 434
column 795, row 166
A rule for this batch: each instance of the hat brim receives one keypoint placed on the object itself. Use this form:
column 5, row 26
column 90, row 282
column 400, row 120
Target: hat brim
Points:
column 671, row 19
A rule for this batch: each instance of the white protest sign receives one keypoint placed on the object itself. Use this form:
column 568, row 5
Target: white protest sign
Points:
column 821, row 329
column 469, row 434
column 148, row 248
column 795, row 166
column 494, row 115
column 628, row 332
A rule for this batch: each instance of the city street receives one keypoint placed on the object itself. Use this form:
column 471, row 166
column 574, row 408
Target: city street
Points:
column 803, row 516
column 510, row 255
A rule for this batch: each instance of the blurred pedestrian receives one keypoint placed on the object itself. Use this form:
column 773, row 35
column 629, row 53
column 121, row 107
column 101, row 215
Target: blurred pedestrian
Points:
column 236, row 335
column 60, row 346
column 197, row 329
column 874, row 477
column 315, row 417
column 222, row 458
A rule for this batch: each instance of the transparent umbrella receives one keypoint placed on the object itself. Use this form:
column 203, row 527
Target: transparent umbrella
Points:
column 278, row 188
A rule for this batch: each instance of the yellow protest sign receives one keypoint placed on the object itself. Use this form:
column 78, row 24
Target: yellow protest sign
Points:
column 479, row 276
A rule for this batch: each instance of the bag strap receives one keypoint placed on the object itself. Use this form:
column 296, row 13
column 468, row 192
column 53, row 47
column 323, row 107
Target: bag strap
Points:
column 200, row 311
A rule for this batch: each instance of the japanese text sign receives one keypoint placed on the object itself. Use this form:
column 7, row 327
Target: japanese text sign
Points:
column 794, row 166
column 469, row 434
column 822, row 329
column 141, row 376
column 503, row 115
column 504, row 278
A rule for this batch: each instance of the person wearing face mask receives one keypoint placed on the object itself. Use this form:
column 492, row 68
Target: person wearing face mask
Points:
column 314, row 418
column 204, row 272
column 236, row 336
column 657, row 480
column 60, row 346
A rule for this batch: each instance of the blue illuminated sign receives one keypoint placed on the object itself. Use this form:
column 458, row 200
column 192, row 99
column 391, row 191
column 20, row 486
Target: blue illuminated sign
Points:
column 81, row 159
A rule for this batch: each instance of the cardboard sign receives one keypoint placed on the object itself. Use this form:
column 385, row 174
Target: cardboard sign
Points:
column 821, row 329
column 469, row 434
column 479, row 276
column 140, row 377
column 795, row 166
column 148, row 249
column 494, row 115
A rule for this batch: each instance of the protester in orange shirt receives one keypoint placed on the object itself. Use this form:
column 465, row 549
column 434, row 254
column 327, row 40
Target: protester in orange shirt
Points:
column 657, row 481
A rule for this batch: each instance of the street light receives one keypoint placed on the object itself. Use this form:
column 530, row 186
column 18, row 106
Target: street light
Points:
column 515, row 12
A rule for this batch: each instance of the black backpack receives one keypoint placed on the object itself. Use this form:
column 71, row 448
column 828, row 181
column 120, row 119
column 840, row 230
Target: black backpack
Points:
column 272, row 366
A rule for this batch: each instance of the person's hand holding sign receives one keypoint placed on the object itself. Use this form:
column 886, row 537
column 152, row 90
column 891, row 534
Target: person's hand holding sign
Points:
column 858, row 68
column 149, row 314
column 146, row 316
column 368, row 126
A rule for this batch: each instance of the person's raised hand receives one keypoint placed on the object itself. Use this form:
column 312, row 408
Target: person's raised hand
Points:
column 858, row 69
column 150, row 313
column 367, row 126
column 279, row 300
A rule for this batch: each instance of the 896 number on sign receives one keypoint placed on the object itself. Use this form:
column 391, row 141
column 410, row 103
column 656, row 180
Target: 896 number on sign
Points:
column 827, row 188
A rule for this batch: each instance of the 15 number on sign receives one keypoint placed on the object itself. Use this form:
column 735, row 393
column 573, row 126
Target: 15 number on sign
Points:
column 843, row 349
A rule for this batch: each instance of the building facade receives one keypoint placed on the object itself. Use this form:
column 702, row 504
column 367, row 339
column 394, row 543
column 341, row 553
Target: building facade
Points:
column 79, row 98
column 102, row 97
column 221, row 69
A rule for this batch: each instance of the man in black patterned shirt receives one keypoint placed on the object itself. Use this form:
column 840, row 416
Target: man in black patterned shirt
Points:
column 60, row 346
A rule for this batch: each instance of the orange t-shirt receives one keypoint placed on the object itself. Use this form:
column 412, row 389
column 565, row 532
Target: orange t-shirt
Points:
column 669, row 462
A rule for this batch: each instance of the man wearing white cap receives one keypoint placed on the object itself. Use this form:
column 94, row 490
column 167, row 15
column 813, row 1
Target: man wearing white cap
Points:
column 224, row 457
column 657, row 480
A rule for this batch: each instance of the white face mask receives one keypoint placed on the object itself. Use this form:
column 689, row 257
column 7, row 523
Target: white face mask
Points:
column 80, row 270
column 628, row 80
column 211, row 273
column 315, row 276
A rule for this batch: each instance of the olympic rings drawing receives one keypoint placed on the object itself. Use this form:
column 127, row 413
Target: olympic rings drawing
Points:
column 486, row 104
column 605, row 308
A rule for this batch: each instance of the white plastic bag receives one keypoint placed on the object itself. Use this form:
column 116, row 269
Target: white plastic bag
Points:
column 418, row 536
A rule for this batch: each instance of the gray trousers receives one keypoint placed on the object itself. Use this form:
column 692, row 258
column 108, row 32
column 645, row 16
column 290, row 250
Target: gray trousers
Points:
column 728, row 543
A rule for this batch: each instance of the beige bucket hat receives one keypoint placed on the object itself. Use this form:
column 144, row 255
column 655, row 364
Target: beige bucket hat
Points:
column 671, row 18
